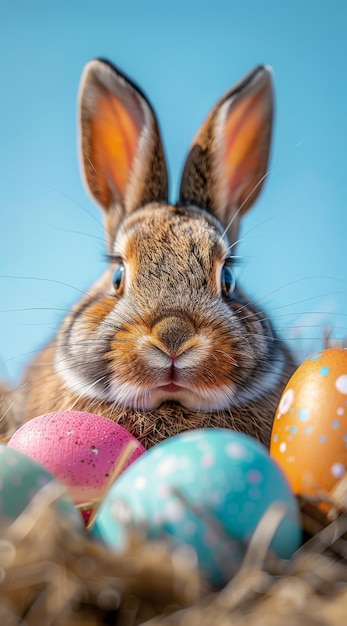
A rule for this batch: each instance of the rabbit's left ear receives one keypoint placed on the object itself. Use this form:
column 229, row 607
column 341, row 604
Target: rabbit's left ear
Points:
column 122, row 154
column 228, row 161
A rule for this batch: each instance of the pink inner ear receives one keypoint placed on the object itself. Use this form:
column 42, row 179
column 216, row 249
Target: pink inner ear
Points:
column 114, row 135
column 246, row 134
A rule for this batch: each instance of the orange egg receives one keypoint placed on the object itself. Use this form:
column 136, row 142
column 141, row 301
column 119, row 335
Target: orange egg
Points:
column 309, row 434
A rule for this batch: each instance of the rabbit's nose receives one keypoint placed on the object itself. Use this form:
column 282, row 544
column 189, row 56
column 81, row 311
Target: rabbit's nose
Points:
column 174, row 335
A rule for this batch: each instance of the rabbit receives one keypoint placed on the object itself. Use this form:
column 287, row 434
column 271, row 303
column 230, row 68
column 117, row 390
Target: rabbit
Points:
column 167, row 340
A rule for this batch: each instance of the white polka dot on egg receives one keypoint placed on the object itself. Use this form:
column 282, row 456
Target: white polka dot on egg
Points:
column 286, row 401
column 174, row 511
column 140, row 482
column 207, row 460
column 341, row 384
column 338, row 470
column 167, row 466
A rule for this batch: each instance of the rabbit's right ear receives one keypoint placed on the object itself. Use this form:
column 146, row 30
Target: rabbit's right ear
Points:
column 228, row 161
column 122, row 154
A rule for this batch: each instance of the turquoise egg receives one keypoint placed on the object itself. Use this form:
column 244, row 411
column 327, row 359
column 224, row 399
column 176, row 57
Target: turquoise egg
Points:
column 21, row 479
column 206, row 489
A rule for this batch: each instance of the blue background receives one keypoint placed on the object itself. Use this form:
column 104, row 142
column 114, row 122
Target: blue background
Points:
column 184, row 55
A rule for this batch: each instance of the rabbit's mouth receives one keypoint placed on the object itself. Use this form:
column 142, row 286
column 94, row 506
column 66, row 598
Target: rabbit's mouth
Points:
column 171, row 387
column 189, row 397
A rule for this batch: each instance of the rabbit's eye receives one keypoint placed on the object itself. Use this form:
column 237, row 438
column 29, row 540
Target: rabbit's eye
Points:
column 228, row 281
column 118, row 279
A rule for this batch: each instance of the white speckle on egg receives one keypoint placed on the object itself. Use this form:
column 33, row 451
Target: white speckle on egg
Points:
column 236, row 451
column 283, row 446
column 207, row 460
column 340, row 410
column 341, row 384
column 174, row 511
column 121, row 512
column 140, row 482
column 286, row 401
column 254, row 477
column 95, row 450
column 338, row 470
column 167, row 466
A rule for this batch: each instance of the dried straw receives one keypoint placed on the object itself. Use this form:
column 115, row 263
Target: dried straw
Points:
column 52, row 574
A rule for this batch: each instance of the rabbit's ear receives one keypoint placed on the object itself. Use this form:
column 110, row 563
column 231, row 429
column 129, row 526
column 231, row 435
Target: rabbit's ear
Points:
column 228, row 161
column 122, row 153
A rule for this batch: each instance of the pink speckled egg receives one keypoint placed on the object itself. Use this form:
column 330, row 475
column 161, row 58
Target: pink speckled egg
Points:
column 80, row 449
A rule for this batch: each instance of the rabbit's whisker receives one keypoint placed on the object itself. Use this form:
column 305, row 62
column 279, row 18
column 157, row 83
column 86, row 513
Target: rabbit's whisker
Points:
column 239, row 210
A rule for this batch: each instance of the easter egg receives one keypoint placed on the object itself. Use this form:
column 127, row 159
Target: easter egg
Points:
column 80, row 449
column 205, row 489
column 21, row 479
column 309, row 435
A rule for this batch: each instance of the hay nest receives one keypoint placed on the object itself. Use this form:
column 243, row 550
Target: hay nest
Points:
column 51, row 574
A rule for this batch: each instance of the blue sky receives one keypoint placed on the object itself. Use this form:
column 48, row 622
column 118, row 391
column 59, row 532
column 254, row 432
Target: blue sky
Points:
column 184, row 55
